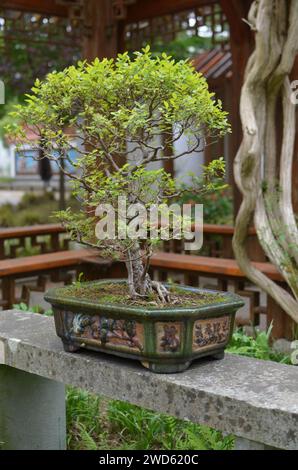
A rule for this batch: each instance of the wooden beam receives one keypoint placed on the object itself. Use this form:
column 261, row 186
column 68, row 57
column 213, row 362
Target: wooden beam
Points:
column 102, row 39
column 30, row 231
column 48, row 7
column 207, row 265
column 146, row 9
column 38, row 263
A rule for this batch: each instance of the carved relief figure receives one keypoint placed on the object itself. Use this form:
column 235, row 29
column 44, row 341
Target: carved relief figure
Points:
column 81, row 323
column 107, row 330
column 124, row 330
column 210, row 332
column 170, row 341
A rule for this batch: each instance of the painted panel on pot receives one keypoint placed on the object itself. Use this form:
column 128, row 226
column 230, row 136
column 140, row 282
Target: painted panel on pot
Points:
column 104, row 331
column 210, row 332
column 168, row 337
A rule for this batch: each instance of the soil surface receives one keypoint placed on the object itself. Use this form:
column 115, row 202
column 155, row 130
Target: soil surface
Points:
column 113, row 293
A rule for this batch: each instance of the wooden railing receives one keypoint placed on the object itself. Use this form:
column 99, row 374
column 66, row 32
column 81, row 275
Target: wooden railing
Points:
column 224, row 274
column 193, row 269
column 218, row 243
column 219, row 274
column 36, row 239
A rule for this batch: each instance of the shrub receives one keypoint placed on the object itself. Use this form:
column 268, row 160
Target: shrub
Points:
column 117, row 109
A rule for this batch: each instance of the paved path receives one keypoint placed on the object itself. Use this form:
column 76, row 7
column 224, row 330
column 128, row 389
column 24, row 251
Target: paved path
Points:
column 13, row 197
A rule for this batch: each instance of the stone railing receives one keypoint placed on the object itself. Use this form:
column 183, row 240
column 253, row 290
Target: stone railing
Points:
column 257, row 401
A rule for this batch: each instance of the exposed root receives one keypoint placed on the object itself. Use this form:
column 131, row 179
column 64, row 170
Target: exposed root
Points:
column 145, row 288
column 161, row 290
column 135, row 295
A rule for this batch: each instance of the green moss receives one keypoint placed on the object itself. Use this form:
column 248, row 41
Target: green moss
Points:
column 113, row 293
column 248, row 167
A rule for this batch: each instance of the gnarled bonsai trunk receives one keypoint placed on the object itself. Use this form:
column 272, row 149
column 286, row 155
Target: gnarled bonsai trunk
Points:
column 139, row 282
column 267, row 196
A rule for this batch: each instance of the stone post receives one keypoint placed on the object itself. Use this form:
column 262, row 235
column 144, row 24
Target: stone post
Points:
column 32, row 412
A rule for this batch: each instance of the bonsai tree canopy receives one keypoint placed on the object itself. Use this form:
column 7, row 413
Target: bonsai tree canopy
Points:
column 124, row 114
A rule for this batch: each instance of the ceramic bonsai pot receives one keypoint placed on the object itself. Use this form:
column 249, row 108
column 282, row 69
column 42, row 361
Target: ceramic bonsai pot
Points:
column 165, row 340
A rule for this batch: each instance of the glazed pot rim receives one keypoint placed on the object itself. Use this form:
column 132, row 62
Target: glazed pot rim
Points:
column 232, row 303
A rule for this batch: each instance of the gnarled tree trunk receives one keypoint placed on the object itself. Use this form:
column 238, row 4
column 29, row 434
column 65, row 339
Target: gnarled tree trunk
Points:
column 265, row 182
column 139, row 282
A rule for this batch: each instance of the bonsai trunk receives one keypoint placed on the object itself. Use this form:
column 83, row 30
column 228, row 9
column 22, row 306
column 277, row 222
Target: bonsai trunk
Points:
column 139, row 281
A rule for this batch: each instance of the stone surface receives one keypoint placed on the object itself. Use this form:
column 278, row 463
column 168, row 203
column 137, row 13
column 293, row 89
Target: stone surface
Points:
column 245, row 444
column 283, row 346
column 252, row 399
column 32, row 412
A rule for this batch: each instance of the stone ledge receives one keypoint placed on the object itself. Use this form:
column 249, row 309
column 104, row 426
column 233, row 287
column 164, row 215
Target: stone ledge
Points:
column 252, row 399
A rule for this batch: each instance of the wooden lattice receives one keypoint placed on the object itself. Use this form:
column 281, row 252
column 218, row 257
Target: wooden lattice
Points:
column 120, row 8
column 30, row 27
column 206, row 21
column 33, row 44
column 75, row 9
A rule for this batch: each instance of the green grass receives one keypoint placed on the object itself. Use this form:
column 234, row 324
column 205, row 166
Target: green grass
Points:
column 257, row 346
column 95, row 423
column 34, row 208
column 35, row 309
column 6, row 179
column 84, row 420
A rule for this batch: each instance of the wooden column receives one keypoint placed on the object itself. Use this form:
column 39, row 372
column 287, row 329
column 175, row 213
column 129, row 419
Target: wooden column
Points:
column 241, row 47
column 101, row 36
column 283, row 325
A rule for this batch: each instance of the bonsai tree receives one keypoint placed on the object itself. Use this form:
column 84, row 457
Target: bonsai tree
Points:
column 124, row 114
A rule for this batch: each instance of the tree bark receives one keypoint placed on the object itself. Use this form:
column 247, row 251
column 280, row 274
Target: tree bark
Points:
column 139, row 282
column 267, row 195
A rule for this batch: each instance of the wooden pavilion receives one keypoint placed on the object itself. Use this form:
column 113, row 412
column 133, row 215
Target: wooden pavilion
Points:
column 102, row 28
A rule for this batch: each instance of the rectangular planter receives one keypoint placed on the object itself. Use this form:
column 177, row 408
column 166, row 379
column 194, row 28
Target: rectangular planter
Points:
column 165, row 340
